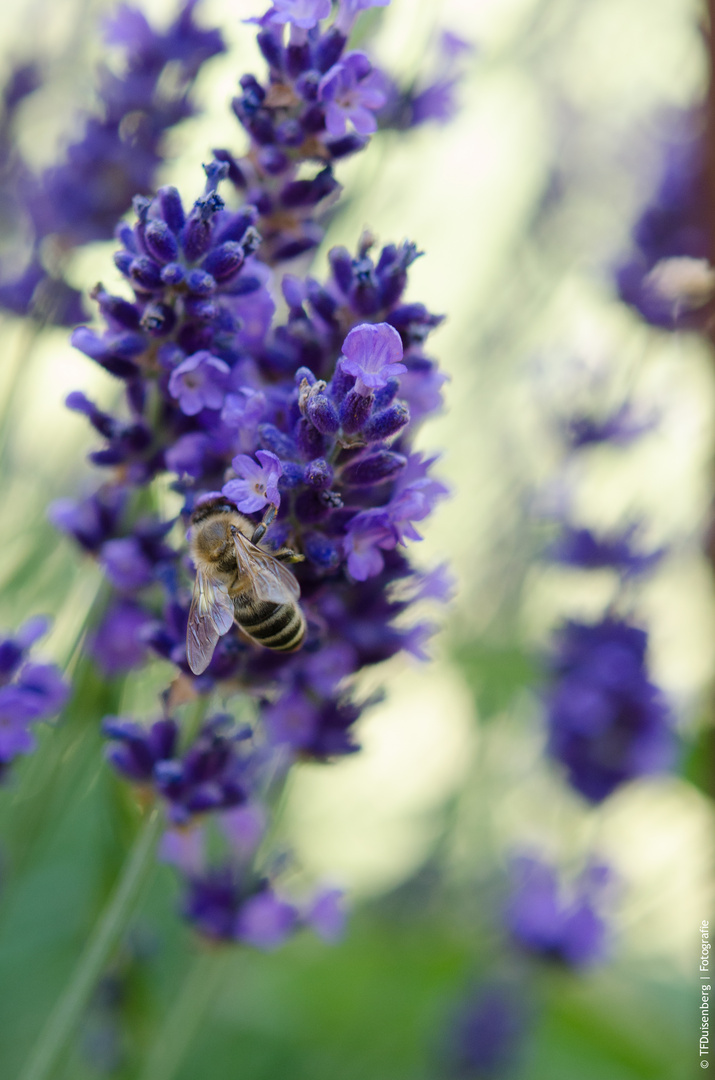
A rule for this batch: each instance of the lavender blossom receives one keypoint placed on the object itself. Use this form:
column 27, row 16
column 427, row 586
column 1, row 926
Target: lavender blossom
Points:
column 554, row 923
column 485, row 1033
column 428, row 99
column 608, row 723
column 29, row 692
column 668, row 277
column 350, row 96
column 257, row 485
column 312, row 417
column 583, row 549
column 80, row 199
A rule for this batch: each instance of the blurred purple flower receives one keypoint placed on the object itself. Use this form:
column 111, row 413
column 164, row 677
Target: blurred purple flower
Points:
column 485, row 1033
column 304, row 14
column 265, row 921
column 582, row 548
column 607, row 722
column 351, row 95
column 559, row 924
column 199, row 383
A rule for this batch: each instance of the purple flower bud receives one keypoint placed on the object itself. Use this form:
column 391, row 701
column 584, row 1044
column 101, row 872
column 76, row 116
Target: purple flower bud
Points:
column 318, row 474
column 117, row 310
column 273, row 160
column 145, row 273
column 321, row 550
column 328, row 49
column 160, row 241
column 173, row 274
column 355, row 411
column 196, row 235
column 271, row 48
column 385, row 424
column 374, row 469
column 311, row 444
column 321, row 412
column 607, row 722
column 290, row 133
column 386, row 395
column 276, row 441
column 200, row 283
column 224, row 261
column 123, row 261
column 172, row 209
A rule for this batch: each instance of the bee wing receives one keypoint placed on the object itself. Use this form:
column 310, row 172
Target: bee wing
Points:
column 270, row 579
column 210, row 616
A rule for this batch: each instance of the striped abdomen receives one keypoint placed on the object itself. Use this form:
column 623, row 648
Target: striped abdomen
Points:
column 275, row 626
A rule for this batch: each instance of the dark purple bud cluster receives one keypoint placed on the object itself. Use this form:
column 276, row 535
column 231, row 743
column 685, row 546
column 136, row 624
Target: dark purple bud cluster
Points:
column 224, row 904
column 581, row 548
column 211, row 790
column 608, row 723
column 80, row 199
column 213, row 774
column 29, row 692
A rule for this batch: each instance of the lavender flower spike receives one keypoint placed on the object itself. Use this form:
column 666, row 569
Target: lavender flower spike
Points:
column 608, row 723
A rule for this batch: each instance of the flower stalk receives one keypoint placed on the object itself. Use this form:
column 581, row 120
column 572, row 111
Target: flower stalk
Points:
column 66, row 1015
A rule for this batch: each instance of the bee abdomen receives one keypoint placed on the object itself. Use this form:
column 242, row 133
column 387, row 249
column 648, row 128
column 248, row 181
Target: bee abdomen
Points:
column 275, row 626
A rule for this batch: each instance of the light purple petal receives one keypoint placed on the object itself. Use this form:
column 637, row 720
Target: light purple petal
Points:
column 362, row 120
column 246, row 467
column 265, row 921
column 326, row 915
column 372, row 353
column 335, row 120
column 183, row 848
column 244, row 496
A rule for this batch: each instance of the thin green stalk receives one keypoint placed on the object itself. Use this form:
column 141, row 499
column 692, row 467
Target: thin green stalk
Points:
column 67, row 1013
column 186, row 1015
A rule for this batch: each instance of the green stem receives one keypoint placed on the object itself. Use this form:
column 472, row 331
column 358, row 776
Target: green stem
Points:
column 186, row 1015
column 107, row 931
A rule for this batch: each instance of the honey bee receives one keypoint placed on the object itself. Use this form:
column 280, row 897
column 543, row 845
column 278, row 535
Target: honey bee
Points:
column 236, row 580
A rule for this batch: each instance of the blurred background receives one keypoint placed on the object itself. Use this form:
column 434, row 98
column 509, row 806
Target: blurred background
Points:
column 522, row 204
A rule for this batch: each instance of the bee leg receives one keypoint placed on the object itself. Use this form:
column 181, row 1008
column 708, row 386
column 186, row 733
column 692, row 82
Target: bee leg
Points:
column 288, row 555
column 268, row 518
